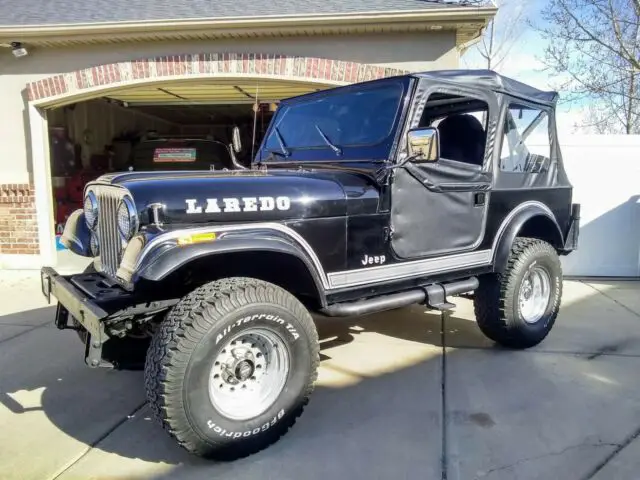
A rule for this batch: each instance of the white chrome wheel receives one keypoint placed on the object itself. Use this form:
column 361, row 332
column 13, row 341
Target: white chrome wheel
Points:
column 249, row 374
column 535, row 294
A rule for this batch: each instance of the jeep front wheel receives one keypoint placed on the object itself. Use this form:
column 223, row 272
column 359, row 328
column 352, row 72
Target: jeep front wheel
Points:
column 518, row 307
column 231, row 367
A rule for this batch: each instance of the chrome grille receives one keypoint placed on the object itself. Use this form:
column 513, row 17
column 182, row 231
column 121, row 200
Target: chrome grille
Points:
column 110, row 240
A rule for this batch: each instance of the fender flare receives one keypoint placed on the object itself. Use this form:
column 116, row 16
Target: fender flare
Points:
column 76, row 235
column 168, row 257
column 511, row 227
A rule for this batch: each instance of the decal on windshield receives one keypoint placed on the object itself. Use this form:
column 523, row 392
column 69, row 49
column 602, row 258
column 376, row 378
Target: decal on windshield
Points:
column 174, row 155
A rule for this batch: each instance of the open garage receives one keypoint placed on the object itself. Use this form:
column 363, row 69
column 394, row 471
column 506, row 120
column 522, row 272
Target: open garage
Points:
column 85, row 90
column 180, row 125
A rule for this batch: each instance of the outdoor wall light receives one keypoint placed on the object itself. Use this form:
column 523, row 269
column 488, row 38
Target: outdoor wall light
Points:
column 18, row 50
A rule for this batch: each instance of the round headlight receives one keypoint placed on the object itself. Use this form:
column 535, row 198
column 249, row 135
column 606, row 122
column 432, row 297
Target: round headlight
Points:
column 127, row 218
column 91, row 210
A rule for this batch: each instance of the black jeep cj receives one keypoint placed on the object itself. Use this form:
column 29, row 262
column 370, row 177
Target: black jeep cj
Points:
column 363, row 198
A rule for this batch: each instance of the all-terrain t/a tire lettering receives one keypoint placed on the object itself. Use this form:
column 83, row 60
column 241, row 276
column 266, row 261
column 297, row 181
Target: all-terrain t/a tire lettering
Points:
column 497, row 300
column 183, row 357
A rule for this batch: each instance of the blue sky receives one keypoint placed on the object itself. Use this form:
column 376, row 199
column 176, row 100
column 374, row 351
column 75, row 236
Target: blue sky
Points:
column 524, row 60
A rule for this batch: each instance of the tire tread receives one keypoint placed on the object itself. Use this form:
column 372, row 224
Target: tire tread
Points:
column 179, row 334
column 495, row 295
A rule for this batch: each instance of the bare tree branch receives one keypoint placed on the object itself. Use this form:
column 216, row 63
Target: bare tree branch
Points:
column 502, row 33
column 593, row 46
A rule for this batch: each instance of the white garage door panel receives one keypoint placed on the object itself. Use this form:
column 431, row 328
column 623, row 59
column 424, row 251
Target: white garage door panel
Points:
column 605, row 173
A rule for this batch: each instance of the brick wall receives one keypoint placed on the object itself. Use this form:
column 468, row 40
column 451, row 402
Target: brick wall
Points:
column 209, row 64
column 18, row 223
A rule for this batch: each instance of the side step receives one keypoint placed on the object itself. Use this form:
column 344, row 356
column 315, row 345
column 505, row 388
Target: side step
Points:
column 435, row 296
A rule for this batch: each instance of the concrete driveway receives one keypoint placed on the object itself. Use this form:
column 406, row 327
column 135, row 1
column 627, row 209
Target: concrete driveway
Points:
column 398, row 397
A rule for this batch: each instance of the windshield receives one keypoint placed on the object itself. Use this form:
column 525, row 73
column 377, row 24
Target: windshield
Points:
column 352, row 118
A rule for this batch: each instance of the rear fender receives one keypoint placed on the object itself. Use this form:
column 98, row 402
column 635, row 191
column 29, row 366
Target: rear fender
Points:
column 531, row 220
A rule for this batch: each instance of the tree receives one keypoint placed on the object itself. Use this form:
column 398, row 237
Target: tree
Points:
column 502, row 33
column 593, row 46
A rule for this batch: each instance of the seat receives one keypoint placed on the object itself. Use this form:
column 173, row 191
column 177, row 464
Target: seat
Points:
column 462, row 138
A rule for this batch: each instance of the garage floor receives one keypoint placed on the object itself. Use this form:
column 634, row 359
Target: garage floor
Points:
column 396, row 398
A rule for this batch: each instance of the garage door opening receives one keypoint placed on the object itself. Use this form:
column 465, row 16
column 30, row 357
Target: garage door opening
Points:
column 178, row 126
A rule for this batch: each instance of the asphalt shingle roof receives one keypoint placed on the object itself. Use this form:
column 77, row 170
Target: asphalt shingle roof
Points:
column 56, row 12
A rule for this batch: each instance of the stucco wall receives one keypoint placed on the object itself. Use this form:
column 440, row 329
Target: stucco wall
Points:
column 423, row 51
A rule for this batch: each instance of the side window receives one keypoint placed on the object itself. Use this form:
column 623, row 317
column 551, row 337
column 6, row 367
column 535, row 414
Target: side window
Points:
column 525, row 141
column 462, row 125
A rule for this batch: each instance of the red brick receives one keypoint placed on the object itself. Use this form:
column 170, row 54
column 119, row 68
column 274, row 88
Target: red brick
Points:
column 18, row 221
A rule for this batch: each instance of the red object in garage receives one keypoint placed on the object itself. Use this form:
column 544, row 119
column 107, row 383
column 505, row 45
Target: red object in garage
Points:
column 75, row 187
column 76, row 183
column 64, row 209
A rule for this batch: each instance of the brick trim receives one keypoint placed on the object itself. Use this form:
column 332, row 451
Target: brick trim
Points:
column 207, row 64
column 18, row 220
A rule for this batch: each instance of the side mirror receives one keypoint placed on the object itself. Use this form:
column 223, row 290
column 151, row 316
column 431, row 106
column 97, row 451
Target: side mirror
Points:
column 424, row 144
column 235, row 139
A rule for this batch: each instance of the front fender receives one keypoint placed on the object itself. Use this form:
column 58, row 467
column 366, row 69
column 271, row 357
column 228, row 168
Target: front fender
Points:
column 76, row 235
column 161, row 255
column 515, row 223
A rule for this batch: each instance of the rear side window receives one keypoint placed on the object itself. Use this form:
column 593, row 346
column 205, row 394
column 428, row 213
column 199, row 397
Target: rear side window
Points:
column 525, row 142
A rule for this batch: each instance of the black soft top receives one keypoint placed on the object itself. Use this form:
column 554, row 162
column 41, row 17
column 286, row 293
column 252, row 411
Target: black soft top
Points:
column 492, row 81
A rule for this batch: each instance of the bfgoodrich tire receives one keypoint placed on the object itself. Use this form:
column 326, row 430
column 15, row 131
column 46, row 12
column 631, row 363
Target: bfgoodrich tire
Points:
column 518, row 307
column 231, row 367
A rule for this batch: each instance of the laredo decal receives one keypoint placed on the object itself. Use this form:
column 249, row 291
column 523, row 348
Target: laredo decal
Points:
column 244, row 204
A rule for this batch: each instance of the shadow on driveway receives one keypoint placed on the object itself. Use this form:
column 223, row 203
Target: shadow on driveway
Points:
column 377, row 409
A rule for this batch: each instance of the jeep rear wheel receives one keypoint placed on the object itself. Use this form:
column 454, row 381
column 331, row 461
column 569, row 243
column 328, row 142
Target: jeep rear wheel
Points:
column 231, row 367
column 518, row 307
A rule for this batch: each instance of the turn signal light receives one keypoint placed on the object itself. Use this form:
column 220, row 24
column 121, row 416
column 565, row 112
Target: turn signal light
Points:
column 196, row 238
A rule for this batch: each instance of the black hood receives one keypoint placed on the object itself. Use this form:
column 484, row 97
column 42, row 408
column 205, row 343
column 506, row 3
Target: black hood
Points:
column 249, row 195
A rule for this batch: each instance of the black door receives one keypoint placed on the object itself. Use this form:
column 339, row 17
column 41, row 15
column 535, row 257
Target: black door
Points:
column 438, row 208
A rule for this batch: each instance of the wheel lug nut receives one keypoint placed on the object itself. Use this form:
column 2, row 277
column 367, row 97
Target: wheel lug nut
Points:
column 216, row 376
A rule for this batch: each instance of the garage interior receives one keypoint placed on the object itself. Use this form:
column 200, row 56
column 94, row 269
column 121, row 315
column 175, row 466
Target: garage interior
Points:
column 168, row 126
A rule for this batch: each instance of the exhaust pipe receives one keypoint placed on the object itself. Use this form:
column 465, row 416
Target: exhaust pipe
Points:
column 399, row 300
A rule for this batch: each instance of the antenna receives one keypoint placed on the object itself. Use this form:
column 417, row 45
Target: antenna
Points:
column 255, row 120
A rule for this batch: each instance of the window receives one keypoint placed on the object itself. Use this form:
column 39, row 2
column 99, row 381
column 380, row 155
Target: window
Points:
column 525, row 142
column 462, row 125
column 352, row 118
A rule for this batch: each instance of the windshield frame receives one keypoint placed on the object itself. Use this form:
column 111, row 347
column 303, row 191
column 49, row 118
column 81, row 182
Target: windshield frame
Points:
column 380, row 150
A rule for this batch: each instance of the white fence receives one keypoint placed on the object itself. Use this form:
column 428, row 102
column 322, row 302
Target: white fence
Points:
column 605, row 173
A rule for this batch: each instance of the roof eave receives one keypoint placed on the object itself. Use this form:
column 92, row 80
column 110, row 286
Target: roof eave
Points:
column 473, row 18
